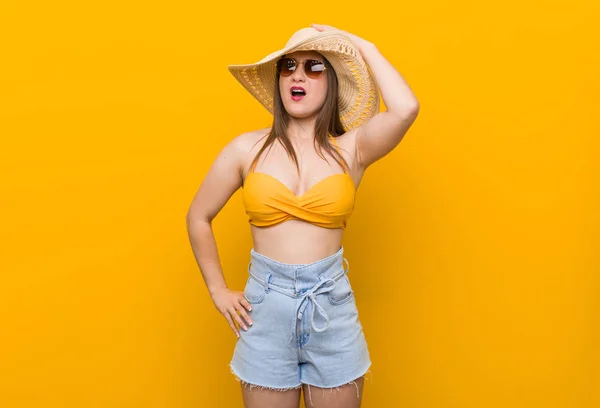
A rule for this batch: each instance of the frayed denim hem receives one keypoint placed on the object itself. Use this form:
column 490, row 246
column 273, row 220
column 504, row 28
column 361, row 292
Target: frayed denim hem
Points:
column 337, row 387
column 260, row 387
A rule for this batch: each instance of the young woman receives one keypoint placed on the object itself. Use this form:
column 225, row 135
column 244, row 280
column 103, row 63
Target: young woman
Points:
column 299, row 178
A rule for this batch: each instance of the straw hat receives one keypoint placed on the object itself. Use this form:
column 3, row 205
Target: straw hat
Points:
column 358, row 96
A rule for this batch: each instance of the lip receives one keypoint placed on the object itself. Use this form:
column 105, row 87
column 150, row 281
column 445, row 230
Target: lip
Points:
column 297, row 98
column 297, row 87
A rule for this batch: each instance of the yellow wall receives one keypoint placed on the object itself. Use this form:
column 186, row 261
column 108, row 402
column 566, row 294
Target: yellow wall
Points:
column 473, row 248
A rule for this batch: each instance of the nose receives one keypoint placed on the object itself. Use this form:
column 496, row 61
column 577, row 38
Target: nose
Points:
column 298, row 74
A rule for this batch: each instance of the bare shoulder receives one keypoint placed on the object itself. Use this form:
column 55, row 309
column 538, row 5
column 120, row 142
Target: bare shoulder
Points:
column 248, row 142
column 224, row 176
column 247, row 145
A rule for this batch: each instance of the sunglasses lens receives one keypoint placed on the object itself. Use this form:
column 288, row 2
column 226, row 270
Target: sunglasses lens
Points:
column 314, row 68
column 286, row 66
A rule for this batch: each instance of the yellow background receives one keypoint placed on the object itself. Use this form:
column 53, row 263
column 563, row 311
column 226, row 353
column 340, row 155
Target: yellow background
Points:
column 473, row 248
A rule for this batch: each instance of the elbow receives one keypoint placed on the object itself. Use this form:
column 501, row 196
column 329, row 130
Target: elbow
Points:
column 406, row 113
column 194, row 217
column 411, row 113
column 413, row 109
column 404, row 117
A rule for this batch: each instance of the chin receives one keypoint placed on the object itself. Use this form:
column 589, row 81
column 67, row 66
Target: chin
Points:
column 301, row 114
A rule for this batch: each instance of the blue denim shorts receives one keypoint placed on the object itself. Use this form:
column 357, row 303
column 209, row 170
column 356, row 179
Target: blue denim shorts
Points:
column 305, row 326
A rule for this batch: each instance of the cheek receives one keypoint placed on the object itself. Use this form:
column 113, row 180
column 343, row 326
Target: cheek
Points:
column 323, row 92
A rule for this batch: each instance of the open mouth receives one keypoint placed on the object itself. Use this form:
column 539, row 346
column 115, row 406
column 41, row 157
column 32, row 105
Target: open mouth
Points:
column 297, row 93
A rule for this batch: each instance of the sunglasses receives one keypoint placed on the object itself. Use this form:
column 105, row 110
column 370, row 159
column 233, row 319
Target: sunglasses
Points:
column 312, row 68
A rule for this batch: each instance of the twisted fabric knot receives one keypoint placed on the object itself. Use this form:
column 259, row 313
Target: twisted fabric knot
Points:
column 311, row 295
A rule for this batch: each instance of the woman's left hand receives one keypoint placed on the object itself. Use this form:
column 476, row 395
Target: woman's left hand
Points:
column 358, row 42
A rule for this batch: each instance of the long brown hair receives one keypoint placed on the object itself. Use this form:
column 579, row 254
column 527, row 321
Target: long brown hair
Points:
column 328, row 122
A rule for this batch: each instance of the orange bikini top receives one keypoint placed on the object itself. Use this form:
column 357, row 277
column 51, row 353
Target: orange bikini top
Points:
column 327, row 203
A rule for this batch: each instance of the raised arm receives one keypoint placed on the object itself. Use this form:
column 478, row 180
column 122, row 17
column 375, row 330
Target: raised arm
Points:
column 223, row 179
column 385, row 130
column 382, row 133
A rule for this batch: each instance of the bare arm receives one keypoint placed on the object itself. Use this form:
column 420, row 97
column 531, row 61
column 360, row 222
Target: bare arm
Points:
column 382, row 133
column 221, row 182
column 385, row 130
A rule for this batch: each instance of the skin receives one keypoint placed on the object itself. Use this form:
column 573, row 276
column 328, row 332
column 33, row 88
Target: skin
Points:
column 293, row 241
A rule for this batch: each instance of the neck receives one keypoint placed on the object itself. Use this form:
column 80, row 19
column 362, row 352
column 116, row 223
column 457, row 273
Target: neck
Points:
column 301, row 129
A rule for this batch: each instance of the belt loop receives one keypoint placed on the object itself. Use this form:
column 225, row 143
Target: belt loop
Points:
column 347, row 268
column 267, row 278
column 249, row 266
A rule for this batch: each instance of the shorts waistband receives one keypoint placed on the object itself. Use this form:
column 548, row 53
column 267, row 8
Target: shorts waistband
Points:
column 300, row 281
column 296, row 276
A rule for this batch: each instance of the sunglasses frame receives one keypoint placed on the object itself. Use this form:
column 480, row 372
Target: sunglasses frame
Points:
column 302, row 63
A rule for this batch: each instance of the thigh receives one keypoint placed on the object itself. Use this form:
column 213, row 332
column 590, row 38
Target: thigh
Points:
column 256, row 397
column 345, row 396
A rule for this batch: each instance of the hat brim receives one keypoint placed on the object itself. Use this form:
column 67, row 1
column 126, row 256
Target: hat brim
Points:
column 358, row 96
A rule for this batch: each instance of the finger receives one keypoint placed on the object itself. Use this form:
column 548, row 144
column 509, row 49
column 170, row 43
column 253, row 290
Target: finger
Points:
column 237, row 318
column 242, row 311
column 245, row 303
column 231, row 324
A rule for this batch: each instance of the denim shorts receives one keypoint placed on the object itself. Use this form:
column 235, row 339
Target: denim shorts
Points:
column 305, row 327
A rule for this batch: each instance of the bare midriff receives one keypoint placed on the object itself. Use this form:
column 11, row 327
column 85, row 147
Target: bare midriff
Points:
column 296, row 241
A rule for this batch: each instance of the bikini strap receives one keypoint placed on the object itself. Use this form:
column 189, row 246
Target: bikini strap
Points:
column 339, row 151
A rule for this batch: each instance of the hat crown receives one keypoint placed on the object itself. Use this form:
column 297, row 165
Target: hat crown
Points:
column 358, row 95
column 301, row 35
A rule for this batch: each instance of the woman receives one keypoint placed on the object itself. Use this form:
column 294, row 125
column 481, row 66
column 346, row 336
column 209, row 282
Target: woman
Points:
column 299, row 177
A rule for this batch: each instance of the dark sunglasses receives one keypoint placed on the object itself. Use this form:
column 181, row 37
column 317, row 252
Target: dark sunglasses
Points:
column 312, row 68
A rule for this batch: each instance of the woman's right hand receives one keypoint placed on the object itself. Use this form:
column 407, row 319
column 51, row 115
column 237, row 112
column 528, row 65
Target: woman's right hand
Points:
column 229, row 302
